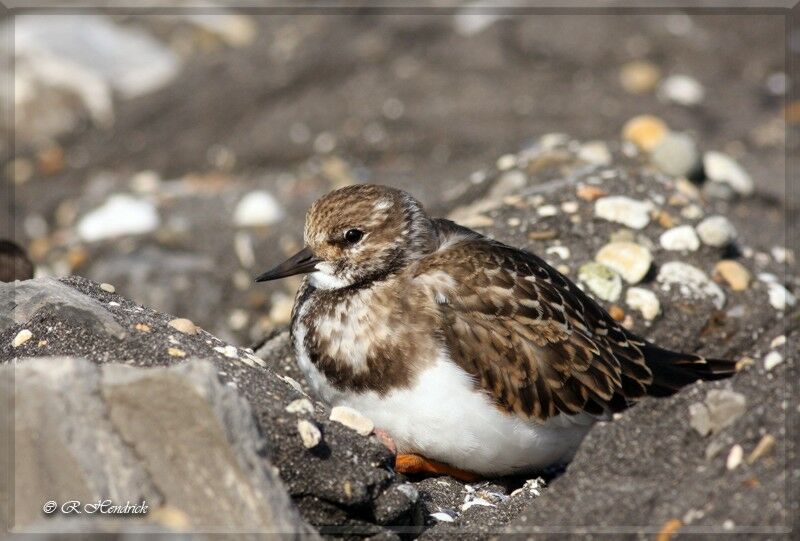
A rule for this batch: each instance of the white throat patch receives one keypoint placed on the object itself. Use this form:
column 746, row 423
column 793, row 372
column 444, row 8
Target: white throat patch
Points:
column 323, row 278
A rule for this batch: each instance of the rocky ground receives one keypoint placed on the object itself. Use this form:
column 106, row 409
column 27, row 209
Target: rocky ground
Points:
column 180, row 184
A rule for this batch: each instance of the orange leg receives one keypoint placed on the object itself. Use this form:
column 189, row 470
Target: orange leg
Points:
column 412, row 463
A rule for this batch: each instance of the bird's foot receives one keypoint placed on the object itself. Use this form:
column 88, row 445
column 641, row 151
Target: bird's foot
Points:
column 386, row 439
column 418, row 464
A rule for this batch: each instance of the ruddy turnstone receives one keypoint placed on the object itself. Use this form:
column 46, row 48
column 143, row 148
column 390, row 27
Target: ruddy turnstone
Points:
column 473, row 355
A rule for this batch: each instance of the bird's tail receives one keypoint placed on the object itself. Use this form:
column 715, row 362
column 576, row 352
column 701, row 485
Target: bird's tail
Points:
column 673, row 371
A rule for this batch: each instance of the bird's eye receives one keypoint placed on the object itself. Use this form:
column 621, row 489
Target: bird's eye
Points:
column 353, row 235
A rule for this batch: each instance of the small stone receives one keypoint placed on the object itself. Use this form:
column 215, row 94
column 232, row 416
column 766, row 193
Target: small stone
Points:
column 624, row 210
column 142, row 327
column 643, row 300
column 186, row 326
column 595, row 152
column 681, row 238
column 676, row 154
column 514, row 221
column 545, row 234
column 639, row 77
column 724, row 407
column 690, row 281
column 601, row 280
column 301, row 405
column 733, row 273
column 120, row 215
column 734, row 457
column 547, row 210
column 779, row 296
column 762, row 448
column 616, row 312
column 630, row 260
column 645, row 131
column 229, row 351
column 778, row 341
column 721, row 168
column 257, row 208
column 699, row 418
column 570, row 207
column 716, row 231
column 682, row 89
column 561, row 251
column 744, row 362
column 309, row 433
column 665, row 219
column 588, row 192
column 352, row 419
column 21, row 337
column 506, row 162
column 175, row 352
column 781, row 255
column 772, row 359
column 692, row 212
column 108, row 288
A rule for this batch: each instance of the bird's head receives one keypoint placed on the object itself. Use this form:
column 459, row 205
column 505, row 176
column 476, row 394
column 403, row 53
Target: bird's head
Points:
column 357, row 234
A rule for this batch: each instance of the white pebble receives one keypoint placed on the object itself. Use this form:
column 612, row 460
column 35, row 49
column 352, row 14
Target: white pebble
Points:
column 442, row 517
column 692, row 212
column 682, row 89
column 735, row 457
column 779, row 296
column 547, row 210
column 772, row 359
column 506, row 162
column 629, row 259
column 682, row 237
column 120, row 215
column 352, row 419
column 602, row 281
column 595, row 152
column 778, row 341
column 309, row 433
column 108, row 287
column 624, row 210
column 257, row 208
column 716, row 231
column 690, row 281
column 561, row 251
column 229, row 351
column 186, row 326
column 22, row 336
column 721, row 168
column 301, row 405
column 570, row 207
column 643, row 300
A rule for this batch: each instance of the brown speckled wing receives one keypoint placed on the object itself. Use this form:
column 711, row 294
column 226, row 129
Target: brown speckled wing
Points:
column 529, row 336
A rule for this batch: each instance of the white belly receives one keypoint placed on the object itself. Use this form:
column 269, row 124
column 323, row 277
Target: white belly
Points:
column 443, row 417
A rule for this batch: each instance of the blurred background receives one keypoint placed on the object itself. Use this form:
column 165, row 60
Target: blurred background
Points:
column 174, row 155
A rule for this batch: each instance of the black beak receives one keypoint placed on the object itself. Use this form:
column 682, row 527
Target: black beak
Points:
column 301, row 262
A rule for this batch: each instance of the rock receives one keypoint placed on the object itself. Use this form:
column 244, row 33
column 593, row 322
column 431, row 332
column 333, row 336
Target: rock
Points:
column 699, row 418
column 682, row 237
column 676, row 154
column 301, row 405
column 588, row 192
column 506, row 162
column 186, row 326
column 595, row 152
column 309, row 433
column 257, row 208
column 779, row 296
column 108, row 288
column 763, row 448
column 352, row 419
column 778, row 341
column 721, row 168
column 772, row 359
column 119, row 216
column 628, row 259
column 734, row 457
column 21, row 337
column 603, row 282
column 732, row 273
column 643, row 300
column 159, row 435
column 645, row 131
column 639, row 77
column 691, row 282
column 724, row 407
column 682, row 89
column 624, row 210
column 716, row 231
column 547, row 210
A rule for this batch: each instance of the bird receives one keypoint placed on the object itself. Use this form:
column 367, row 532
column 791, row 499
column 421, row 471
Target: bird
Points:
column 476, row 358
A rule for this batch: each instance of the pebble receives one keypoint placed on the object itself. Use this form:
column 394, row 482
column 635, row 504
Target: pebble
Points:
column 301, row 405
column 186, row 326
column 21, row 337
column 547, row 210
column 691, row 282
column 108, row 287
column 257, row 208
column 676, row 154
column 779, row 296
column 733, row 273
column 309, row 433
column 639, row 77
column 616, row 312
column 682, row 89
column 120, row 215
column 142, row 327
column 692, row 212
column 721, row 168
column 681, row 238
column 229, row 351
column 352, row 419
column 643, row 300
column 624, row 210
column 175, row 352
column 699, row 418
column 645, row 131
column 734, row 457
column 506, row 162
column 724, row 407
column 570, row 207
column 772, row 359
column 762, row 448
column 716, row 231
column 587, row 192
column 595, row 152
column 781, row 255
column 601, row 280
column 629, row 259
column 778, row 341
column 561, row 251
